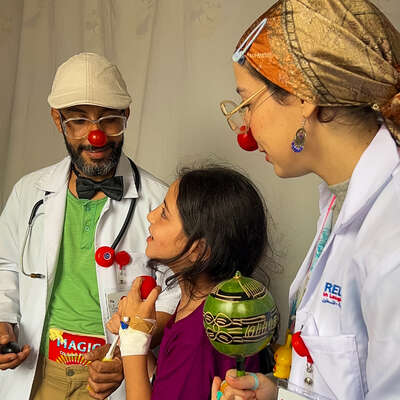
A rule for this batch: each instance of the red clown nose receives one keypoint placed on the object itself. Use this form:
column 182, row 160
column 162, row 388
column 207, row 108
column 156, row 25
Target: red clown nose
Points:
column 97, row 138
column 246, row 140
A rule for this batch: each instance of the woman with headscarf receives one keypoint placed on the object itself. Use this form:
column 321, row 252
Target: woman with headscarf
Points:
column 320, row 81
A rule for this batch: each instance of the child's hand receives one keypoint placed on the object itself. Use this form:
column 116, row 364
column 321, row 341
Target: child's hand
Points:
column 134, row 305
column 114, row 323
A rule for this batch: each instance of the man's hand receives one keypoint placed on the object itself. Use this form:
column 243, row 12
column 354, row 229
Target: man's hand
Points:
column 104, row 376
column 11, row 360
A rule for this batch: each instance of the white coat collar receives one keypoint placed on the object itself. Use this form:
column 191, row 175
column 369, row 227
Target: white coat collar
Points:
column 55, row 178
column 371, row 173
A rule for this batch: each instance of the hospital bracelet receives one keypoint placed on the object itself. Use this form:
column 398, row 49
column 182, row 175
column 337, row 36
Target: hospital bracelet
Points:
column 134, row 342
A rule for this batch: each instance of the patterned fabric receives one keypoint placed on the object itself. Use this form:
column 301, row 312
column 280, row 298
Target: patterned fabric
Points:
column 331, row 53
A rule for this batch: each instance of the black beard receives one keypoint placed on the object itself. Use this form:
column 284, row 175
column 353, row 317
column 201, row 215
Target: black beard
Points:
column 100, row 167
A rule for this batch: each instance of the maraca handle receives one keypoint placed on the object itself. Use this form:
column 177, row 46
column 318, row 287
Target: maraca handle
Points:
column 240, row 366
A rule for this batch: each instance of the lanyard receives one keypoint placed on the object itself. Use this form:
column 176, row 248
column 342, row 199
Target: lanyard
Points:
column 283, row 355
column 319, row 247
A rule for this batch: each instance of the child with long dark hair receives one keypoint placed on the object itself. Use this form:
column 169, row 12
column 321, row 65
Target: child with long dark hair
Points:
column 211, row 224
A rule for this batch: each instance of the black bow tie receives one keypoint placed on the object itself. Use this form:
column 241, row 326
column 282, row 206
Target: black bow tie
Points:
column 111, row 187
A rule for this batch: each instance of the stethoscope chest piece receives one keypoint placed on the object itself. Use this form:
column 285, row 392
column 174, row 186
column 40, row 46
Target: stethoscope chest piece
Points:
column 105, row 256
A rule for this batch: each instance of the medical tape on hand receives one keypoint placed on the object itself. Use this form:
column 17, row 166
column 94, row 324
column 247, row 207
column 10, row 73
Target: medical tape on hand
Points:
column 134, row 342
column 145, row 325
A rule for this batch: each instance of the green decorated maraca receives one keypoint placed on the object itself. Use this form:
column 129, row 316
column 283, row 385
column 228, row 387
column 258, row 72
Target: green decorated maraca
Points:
column 240, row 317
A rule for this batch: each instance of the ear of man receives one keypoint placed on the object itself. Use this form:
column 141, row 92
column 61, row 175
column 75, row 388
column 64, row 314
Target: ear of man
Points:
column 56, row 118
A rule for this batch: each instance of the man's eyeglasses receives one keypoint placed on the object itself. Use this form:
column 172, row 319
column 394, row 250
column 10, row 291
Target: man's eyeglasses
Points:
column 79, row 128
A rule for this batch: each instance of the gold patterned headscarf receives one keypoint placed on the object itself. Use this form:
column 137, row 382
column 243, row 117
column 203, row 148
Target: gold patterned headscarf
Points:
column 331, row 53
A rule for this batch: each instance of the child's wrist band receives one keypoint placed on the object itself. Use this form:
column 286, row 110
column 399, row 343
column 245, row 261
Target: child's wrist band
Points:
column 134, row 342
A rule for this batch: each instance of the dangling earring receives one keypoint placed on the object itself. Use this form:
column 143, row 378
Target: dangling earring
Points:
column 299, row 139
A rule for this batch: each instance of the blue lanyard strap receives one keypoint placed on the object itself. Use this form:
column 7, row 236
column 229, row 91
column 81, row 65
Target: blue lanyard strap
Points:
column 319, row 247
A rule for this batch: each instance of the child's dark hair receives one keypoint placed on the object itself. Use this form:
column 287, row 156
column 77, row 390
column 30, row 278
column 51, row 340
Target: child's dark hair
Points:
column 223, row 208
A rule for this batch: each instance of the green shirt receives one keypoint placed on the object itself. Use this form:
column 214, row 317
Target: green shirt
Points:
column 74, row 305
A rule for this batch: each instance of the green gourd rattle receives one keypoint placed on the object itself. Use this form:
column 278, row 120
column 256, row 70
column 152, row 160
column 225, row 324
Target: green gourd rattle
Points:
column 240, row 317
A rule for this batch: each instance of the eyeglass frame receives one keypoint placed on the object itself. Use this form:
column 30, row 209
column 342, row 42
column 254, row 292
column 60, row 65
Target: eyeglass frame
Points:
column 94, row 122
column 241, row 105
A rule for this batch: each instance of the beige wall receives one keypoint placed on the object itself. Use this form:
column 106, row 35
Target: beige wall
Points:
column 175, row 56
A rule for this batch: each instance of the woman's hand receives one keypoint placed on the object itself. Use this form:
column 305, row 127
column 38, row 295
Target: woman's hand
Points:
column 132, row 305
column 241, row 387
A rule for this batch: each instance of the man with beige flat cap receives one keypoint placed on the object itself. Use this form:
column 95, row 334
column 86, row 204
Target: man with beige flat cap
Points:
column 73, row 240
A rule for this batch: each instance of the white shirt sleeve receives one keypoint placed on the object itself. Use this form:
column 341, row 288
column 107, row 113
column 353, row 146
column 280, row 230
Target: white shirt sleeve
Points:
column 169, row 297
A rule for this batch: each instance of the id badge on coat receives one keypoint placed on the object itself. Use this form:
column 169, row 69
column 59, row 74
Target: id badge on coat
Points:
column 284, row 394
column 293, row 392
column 113, row 299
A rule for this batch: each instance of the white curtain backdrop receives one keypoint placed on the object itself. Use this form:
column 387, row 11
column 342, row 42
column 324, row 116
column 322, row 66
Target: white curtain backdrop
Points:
column 175, row 56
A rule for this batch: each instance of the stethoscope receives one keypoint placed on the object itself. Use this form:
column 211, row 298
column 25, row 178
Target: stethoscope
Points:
column 105, row 256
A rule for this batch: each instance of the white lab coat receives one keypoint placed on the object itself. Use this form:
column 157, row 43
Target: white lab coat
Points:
column 24, row 300
column 355, row 346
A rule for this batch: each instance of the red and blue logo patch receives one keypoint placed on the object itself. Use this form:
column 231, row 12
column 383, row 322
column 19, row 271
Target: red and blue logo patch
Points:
column 332, row 294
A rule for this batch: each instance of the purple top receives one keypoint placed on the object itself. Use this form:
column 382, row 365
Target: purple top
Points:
column 187, row 362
